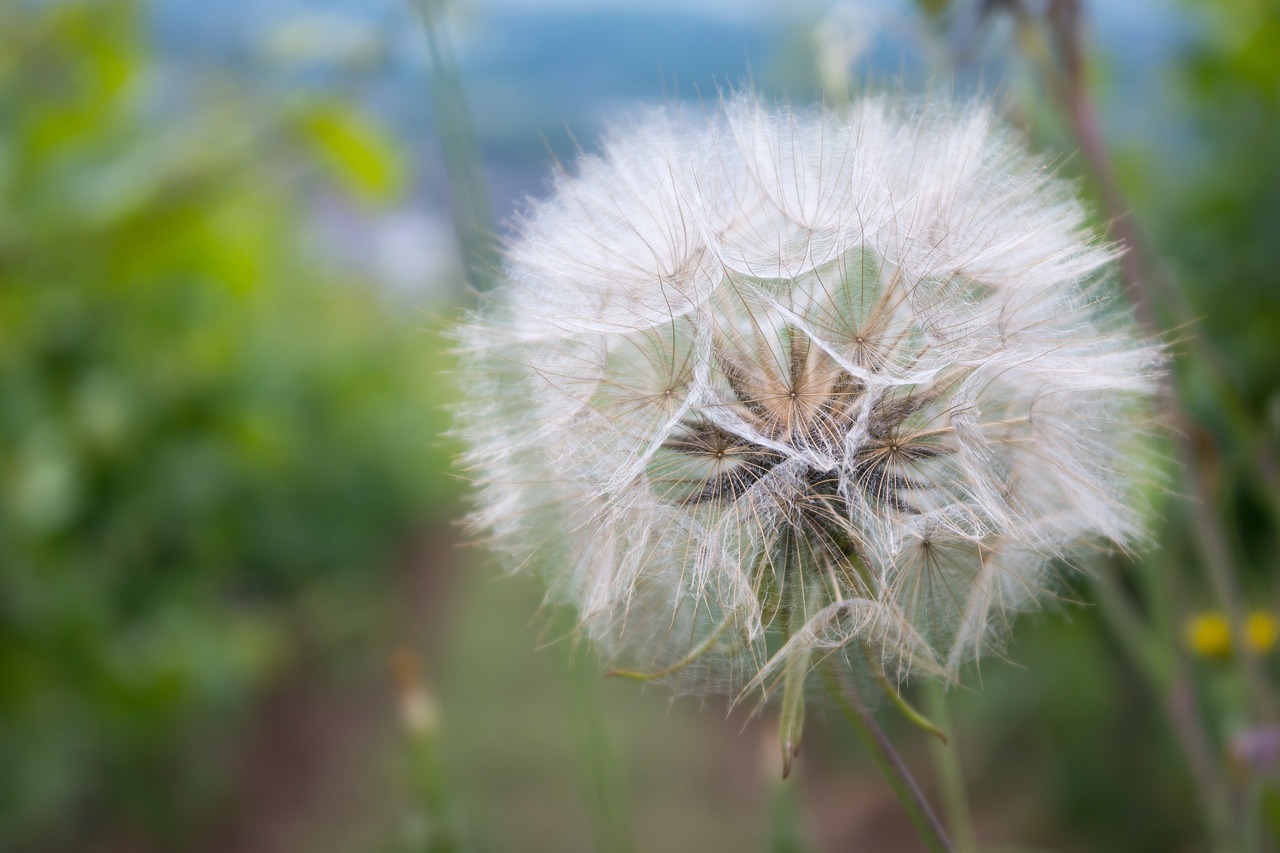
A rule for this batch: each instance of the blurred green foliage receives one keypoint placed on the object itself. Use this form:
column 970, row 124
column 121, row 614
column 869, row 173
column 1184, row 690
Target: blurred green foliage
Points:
column 208, row 438
column 1223, row 228
column 1089, row 712
column 1215, row 214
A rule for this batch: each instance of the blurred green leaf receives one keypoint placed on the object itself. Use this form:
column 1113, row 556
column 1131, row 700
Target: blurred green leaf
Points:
column 354, row 149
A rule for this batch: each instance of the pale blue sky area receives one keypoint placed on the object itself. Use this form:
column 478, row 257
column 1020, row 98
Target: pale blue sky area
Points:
column 542, row 76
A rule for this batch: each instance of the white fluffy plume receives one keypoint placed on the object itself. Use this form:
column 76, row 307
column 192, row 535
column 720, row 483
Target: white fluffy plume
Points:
column 769, row 385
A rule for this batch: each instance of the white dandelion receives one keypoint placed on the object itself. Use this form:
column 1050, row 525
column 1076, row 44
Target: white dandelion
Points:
column 769, row 387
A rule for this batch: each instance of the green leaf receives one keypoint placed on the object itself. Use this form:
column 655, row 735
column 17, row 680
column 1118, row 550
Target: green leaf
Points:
column 355, row 150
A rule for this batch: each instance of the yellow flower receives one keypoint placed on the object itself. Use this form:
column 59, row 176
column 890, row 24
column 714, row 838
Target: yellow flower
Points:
column 1260, row 631
column 1209, row 635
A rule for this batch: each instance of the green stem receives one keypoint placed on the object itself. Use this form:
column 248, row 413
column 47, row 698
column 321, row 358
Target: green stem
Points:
column 1168, row 676
column 698, row 650
column 891, row 693
column 597, row 764
column 432, row 791
column 946, row 759
column 890, row 764
column 420, row 717
column 472, row 216
column 1130, row 628
column 786, row 830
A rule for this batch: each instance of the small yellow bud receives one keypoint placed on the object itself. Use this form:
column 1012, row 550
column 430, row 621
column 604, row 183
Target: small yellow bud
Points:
column 1209, row 635
column 418, row 710
column 1260, row 631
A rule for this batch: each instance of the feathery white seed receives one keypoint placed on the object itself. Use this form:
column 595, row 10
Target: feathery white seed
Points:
column 777, row 382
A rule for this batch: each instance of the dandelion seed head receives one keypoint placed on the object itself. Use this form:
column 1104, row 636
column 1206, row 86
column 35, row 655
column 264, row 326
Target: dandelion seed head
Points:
column 769, row 383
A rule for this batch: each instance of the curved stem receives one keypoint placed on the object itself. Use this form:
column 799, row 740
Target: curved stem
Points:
column 697, row 652
column 904, row 707
column 890, row 764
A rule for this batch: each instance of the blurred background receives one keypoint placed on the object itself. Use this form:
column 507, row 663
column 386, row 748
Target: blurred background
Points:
column 234, row 610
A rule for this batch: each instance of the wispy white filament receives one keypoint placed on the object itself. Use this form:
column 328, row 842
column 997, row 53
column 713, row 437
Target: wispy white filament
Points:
column 772, row 383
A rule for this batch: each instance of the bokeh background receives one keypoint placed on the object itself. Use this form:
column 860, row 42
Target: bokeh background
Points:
column 234, row 610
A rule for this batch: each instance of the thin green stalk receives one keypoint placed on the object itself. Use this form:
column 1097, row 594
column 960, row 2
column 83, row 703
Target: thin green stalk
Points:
column 946, row 760
column 1167, row 674
column 1135, row 635
column 472, row 217
column 597, row 764
column 895, row 772
column 786, row 830
column 698, row 651
column 904, row 707
column 435, row 830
